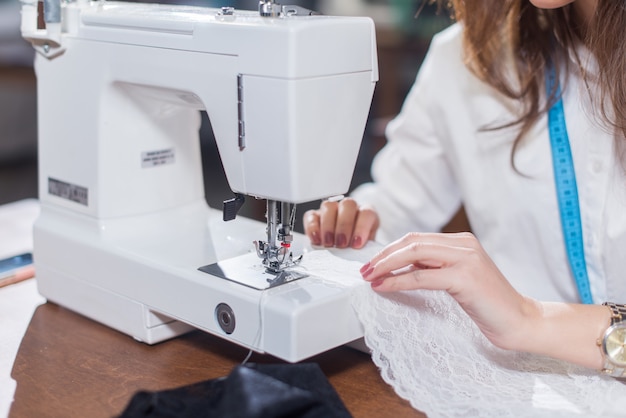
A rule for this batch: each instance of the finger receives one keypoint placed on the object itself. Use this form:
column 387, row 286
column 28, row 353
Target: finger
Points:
column 346, row 215
column 478, row 294
column 328, row 219
column 417, row 278
column 311, row 223
column 365, row 227
column 462, row 239
column 423, row 252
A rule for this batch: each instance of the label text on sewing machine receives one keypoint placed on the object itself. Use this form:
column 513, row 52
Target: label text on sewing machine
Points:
column 156, row 158
column 73, row 192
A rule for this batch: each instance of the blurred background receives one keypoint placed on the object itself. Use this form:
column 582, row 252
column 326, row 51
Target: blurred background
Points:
column 402, row 43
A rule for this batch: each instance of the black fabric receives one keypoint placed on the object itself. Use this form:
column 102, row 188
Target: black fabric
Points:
column 250, row 391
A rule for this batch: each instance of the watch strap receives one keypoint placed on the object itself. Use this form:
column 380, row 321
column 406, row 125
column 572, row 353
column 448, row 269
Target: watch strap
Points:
column 618, row 312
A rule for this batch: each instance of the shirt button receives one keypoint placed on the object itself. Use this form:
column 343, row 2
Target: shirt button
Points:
column 596, row 166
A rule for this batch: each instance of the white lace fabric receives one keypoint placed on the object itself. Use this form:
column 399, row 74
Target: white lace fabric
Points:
column 433, row 355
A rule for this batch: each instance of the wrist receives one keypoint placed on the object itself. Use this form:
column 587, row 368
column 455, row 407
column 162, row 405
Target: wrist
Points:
column 520, row 326
column 565, row 331
column 532, row 318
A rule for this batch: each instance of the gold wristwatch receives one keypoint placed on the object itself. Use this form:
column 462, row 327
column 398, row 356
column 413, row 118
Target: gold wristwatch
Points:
column 613, row 342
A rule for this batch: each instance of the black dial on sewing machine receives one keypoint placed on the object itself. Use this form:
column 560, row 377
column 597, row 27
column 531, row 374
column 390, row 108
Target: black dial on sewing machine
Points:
column 225, row 318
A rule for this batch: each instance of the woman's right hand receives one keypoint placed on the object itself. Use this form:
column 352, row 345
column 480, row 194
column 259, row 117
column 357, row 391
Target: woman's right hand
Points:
column 341, row 224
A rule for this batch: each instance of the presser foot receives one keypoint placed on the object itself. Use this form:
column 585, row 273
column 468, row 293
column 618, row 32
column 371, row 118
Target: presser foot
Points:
column 278, row 262
column 285, row 276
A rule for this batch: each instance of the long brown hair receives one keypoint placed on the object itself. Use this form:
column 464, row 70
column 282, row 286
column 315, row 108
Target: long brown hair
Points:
column 532, row 37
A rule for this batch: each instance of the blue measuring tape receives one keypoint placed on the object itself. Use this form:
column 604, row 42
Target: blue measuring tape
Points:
column 566, row 189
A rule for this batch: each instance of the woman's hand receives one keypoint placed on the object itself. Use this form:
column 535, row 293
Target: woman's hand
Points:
column 341, row 224
column 458, row 264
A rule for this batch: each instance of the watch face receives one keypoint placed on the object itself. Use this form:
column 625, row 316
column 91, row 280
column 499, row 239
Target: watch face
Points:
column 614, row 344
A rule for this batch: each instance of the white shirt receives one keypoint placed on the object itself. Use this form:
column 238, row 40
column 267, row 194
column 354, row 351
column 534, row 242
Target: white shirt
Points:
column 438, row 157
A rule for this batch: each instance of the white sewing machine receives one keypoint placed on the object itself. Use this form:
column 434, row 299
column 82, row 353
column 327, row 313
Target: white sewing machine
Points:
column 124, row 225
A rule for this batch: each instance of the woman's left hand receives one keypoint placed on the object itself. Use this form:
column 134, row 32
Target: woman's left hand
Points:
column 458, row 264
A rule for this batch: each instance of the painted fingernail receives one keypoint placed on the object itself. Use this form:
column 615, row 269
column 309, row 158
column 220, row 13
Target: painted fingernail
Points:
column 341, row 241
column 365, row 267
column 356, row 242
column 329, row 239
column 367, row 272
column 376, row 283
column 315, row 239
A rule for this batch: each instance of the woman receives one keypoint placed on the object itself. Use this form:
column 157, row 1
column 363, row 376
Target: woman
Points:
column 475, row 131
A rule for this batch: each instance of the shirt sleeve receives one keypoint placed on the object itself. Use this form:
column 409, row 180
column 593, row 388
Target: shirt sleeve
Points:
column 414, row 187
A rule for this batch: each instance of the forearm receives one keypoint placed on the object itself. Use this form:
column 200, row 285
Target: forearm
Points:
column 566, row 331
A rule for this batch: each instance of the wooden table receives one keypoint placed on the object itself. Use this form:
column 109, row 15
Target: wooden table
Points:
column 70, row 366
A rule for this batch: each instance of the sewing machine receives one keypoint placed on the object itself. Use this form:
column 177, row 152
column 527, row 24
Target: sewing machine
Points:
column 125, row 236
